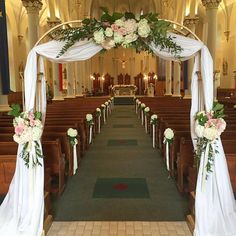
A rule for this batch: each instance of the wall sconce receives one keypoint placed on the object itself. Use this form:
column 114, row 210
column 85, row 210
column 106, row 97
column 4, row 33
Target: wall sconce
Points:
column 155, row 77
column 145, row 77
column 103, row 78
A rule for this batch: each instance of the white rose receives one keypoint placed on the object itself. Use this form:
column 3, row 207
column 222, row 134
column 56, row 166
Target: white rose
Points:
column 147, row 109
column 222, row 126
column 169, row 134
column 210, row 133
column 143, row 105
column 89, row 117
column 130, row 26
column 108, row 44
column 118, row 38
column 143, row 28
column 154, row 116
column 130, row 38
column 38, row 123
column 37, row 133
column 99, row 36
column 199, row 130
column 120, row 22
column 72, row 132
column 108, row 32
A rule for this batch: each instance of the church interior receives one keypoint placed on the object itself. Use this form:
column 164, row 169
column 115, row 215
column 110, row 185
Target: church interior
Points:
column 123, row 183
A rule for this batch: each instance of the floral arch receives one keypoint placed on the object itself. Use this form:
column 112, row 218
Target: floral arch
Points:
column 22, row 210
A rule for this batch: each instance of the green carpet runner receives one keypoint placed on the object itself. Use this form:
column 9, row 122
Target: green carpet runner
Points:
column 121, row 178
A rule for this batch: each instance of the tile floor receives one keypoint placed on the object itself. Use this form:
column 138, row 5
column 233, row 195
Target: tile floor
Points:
column 87, row 228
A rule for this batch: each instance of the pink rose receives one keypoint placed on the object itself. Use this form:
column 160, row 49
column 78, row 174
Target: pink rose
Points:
column 114, row 27
column 122, row 31
column 19, row 129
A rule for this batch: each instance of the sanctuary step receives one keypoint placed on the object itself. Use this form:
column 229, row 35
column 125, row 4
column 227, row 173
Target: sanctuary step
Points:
column 123, row 100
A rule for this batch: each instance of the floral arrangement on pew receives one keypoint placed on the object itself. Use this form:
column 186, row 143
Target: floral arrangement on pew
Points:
column 90, row 123
column 107, row 108
column 28, row 131
column 121, row 29
column 136, row 105
column 103, row 107
column 146, row 113
column 142, row 112
column 168, row 140
column 72, row 135
column 153, row 122
column 208, row 128
column 109, row 105
column 98, row 115
column 112, row 102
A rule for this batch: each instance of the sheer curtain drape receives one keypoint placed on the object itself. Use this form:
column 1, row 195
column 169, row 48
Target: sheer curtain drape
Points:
column 215, row 207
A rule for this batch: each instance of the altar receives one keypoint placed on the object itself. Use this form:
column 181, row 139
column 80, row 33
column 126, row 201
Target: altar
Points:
column 124, row 90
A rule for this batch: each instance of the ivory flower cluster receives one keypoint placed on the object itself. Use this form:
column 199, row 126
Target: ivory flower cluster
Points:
column 27, row 128
column 146, row 110
column 153, row 119
column 122, row 32
column 168, row 135
column 72, row 134
column 206, row 126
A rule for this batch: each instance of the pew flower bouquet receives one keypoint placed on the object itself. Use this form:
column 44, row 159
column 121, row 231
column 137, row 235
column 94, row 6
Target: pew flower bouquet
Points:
column 146, row 111
column 168, row 136
column 143, row 106
column 98, row 112
column 106, row 103
column 153, row 120
column 208, row 128
column 28, row 131
column 103, row 106
column 72, row 134
column 89, row 119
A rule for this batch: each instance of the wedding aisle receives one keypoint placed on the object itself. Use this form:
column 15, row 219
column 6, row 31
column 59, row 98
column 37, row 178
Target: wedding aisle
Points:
column 121, row 178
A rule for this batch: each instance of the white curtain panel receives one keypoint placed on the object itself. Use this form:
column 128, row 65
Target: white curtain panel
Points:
column 215, row 207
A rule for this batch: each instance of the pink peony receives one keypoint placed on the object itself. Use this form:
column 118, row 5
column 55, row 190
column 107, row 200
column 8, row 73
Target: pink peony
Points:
column 19, row 129
column 114, row 27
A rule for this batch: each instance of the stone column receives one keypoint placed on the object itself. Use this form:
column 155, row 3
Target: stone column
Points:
column 57, row 94
column 176, row 80
column 70, row 80
column 168, row 78
column 211, row 13
column 33, row 7
column 190, row 22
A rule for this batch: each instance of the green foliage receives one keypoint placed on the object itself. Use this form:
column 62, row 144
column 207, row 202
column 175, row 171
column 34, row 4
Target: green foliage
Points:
column 218, row 110
column 158, row 35
column 15, row 110
column 38, row 115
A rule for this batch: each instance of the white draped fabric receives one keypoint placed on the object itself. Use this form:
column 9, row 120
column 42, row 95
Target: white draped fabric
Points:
column 215, row 206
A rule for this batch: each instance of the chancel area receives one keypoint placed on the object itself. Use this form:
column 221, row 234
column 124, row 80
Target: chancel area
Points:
column 117, row 117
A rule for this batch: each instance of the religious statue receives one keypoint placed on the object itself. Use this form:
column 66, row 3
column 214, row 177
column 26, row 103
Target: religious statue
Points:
column 225, row 67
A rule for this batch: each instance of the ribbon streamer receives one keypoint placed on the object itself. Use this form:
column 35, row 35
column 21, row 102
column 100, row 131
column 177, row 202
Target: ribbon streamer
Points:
column 136, row 108
column 167, row 156
column 142, row 116
column 75, row 161
column 104, row 115
column 107, row 109
column 153, row 136
column 90, row 133
column 99, row 124
column 146, row 130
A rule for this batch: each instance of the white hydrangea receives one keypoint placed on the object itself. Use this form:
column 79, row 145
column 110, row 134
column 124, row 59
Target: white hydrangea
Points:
column 120, row 22
column 72, row 132
column 154, row 116
column 143, row 28
column 199, row 130
column 210, row 133
column 130, row 38
column 108, row 44
column 118, row 38
column 147, row 109
column 89, row 117
column 143, row 105
column 36, row 133
column 169, row 134
column 108, row 32
column 99, row 36
column 130, row 26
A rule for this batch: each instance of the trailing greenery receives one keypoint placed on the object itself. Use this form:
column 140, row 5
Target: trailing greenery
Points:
column 146, row 29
